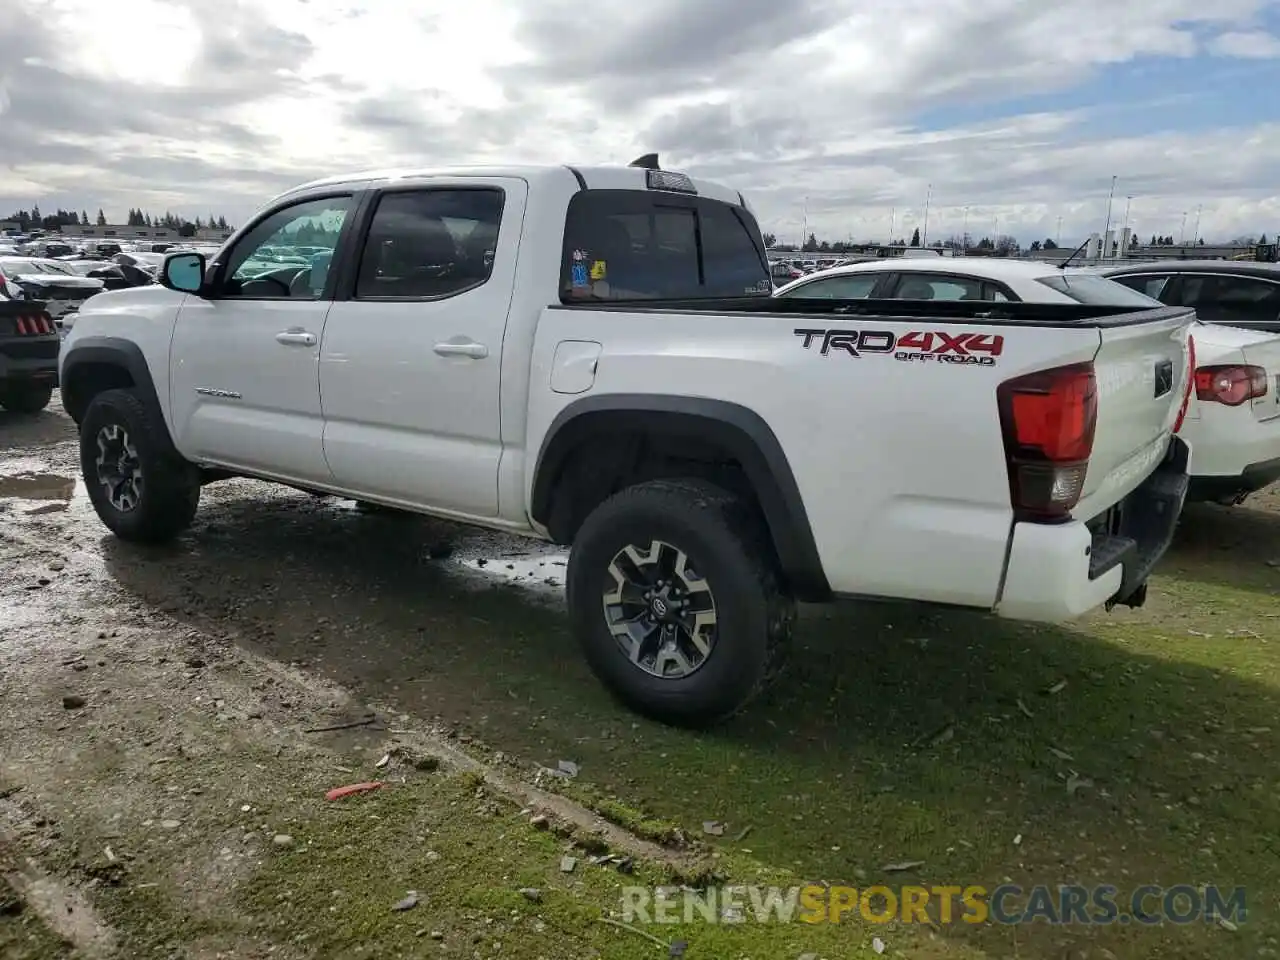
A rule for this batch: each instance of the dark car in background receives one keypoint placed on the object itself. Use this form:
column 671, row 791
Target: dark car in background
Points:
column 1229, row 292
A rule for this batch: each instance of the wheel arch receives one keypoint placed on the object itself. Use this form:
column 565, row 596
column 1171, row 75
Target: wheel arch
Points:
column 95, row 364
column 734, row 428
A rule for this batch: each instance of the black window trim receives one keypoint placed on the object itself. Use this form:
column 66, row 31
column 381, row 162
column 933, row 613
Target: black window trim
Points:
column 350, row 270
column 218, row 267
column 675, row 200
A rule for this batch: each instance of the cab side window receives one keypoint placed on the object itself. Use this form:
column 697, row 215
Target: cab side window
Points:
column 429, row 244
column 287, row 255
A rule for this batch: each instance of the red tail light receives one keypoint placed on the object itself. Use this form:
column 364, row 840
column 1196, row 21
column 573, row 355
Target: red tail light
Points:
column 1191, row 383
column 33, row 325
column 1231, row 384
column 1048, row 419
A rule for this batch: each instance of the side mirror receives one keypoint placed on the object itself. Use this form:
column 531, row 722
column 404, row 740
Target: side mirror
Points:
column 183, row 272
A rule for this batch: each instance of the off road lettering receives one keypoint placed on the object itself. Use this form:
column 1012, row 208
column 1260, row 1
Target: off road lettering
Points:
column 918, row 345
column 852, row 342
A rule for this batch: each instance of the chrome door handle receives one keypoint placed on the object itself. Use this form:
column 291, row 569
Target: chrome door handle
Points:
column 476, row 351
column 296, row 338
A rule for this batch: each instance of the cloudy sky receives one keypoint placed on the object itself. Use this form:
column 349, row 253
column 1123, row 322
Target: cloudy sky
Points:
column 843, row 112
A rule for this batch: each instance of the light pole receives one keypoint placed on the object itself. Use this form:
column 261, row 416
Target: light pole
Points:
column 893, row 220
column 1195, row 234
column 1107, row 226
column 995, row 232
column 1182, row 234
column 964, row 232
column 924, row 235
column 1058, row 237
column 804, row 233
column 1127, row 201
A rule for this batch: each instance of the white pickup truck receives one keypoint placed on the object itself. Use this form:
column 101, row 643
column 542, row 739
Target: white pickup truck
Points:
column 592, row 356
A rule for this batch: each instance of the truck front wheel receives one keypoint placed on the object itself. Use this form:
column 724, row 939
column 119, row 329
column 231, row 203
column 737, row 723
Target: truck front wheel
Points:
column 675, row 596
column 139, row 489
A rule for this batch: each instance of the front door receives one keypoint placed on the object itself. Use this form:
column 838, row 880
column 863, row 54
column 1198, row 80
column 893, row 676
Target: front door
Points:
column 244, row 385
column 411, row 362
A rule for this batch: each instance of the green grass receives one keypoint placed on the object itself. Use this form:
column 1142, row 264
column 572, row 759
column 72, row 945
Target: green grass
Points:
column 899, row 734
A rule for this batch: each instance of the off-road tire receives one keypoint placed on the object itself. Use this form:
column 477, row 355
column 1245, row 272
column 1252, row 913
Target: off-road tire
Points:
column 170, row 486
column 726, row 541
column 25, row 397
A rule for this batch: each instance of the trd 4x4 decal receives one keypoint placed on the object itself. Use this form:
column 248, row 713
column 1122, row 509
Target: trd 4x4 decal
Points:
column 917, row 346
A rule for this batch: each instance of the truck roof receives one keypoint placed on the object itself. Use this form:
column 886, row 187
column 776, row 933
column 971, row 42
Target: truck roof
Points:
column 598, row 177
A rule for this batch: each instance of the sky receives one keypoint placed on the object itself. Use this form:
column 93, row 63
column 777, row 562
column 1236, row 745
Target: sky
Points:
column 842, row 116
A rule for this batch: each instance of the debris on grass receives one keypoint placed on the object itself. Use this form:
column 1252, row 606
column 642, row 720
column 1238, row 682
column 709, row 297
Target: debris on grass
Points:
column 640, row 933
column 1026, row 711
column 877, row 945
column 742, row 834
column 568, row 864
column 386, row 758
column 902, row 866
column 1076, row 783
column 1061, row 754
column 532, row 894
column 713, row 828
column 408, row 903
column 337, row 793
column 1055, row 688
column 567, row 768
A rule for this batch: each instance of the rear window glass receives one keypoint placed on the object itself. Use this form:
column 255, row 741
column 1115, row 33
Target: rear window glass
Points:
column 650, row 245
column 1097, row 290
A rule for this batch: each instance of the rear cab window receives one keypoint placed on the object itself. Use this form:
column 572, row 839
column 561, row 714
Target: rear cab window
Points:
column 1098, row 291
column 653, row 245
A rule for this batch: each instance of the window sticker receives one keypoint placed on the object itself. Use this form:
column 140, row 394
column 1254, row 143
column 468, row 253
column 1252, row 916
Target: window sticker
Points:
column 599, row 270
column 579, row 275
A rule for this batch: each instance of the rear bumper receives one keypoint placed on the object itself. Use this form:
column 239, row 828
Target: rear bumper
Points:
column 1059, row 571
column 30, row 368
column 1251, row 479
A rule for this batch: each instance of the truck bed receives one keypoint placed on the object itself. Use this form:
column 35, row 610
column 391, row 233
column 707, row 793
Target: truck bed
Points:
column 1073, row 315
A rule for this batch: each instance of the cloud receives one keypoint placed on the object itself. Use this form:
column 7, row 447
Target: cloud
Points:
column 836, row 114
column 1247, row 44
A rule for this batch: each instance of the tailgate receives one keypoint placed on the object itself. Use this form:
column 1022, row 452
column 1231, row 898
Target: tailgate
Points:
column 1142, row 371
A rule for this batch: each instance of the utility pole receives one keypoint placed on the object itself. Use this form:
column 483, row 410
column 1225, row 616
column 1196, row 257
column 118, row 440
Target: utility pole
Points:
column 1106, row 253
column 924, row 235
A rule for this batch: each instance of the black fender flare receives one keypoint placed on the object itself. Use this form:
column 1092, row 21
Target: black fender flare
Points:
column 737, row 429
column 115, row 352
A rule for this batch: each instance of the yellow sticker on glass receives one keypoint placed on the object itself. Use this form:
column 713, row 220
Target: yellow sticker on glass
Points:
column 599, row 271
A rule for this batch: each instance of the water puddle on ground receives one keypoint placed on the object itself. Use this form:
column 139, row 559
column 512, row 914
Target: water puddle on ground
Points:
column 532, row 570
column 53, row 492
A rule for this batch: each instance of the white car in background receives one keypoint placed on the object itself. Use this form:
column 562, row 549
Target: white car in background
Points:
column 1233, row 421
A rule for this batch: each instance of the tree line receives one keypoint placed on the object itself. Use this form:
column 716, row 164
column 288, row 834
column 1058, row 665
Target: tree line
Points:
column 62, row 219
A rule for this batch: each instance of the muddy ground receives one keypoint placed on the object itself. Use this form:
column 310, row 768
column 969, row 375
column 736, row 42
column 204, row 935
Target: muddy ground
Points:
column 164, row 762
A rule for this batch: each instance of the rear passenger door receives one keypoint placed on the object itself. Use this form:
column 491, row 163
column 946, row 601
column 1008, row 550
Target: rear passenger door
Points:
column 410, row 363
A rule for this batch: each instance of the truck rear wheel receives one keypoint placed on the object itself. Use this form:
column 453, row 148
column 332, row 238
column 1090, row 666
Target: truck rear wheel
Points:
column 26, row 397
column 139, row 488
column 675, row 596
